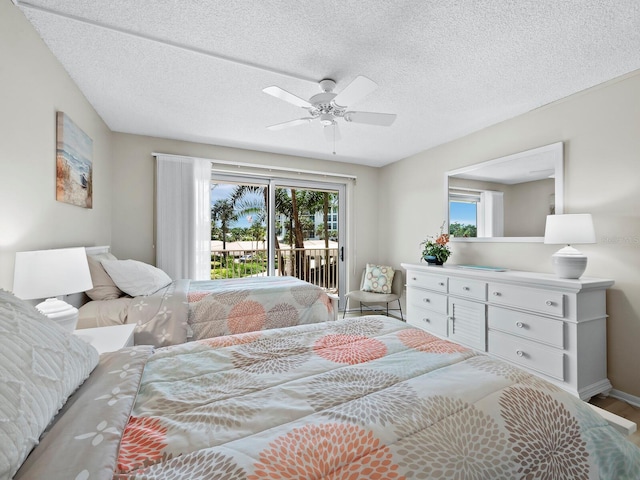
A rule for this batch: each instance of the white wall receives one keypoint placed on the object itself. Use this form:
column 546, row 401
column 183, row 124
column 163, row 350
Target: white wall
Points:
column 133, row 204
column 526, row 206
column 600, row 129
column 33, row 86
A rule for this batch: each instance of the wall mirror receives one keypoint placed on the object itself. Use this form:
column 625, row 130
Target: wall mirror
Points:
column 506, row 199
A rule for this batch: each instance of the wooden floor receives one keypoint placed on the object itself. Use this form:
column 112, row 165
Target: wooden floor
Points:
column 621, row 409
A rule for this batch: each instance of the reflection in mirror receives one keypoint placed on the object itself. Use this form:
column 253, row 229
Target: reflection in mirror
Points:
column 506, row 199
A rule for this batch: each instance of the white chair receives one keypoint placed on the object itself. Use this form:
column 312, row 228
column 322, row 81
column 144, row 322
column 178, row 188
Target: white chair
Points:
column 369, row 298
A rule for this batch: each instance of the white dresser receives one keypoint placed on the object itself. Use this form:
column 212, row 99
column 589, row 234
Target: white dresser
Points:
column 550, row 326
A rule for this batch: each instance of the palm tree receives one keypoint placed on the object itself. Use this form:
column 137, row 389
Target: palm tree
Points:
column 245, row 205
column 255, row 212
column 223, row 212
column 316, row 201
column 284, row 207
column 292, row 204
column 258, row 209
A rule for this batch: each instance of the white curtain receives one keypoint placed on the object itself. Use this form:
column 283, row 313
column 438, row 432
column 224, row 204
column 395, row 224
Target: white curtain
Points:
column 491, row 214
column 183, row 217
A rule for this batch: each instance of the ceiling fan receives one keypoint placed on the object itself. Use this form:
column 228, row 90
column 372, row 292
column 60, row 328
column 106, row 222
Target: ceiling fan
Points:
column 328, row 107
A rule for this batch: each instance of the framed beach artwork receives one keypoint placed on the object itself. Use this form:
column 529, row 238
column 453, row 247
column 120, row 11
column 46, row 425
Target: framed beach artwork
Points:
column 74, row 166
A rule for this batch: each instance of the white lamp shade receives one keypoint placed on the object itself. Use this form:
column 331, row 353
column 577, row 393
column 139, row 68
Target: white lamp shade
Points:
column 569, row 229
column 51, row 273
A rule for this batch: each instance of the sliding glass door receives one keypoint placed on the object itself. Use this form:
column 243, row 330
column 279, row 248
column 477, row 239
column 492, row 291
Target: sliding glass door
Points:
column 307, row 234
column 239, row 223
column 278, row 227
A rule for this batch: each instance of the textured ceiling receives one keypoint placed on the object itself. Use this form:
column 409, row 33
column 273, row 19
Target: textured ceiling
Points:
column 195, row 70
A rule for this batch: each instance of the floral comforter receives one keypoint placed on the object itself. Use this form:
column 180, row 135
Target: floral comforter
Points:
column 225, row 307
column 359, row 398
column 192, row 310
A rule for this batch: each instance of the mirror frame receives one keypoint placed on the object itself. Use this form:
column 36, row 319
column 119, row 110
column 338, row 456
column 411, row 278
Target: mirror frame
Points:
column 556, row 148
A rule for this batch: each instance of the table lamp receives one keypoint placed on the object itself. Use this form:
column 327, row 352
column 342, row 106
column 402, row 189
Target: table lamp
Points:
column 52, row 273
column 569, row 229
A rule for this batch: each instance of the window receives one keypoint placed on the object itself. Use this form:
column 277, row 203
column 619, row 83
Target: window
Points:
column 277, row 227
column 239, row 240
column 476, row 213
column 463, row 211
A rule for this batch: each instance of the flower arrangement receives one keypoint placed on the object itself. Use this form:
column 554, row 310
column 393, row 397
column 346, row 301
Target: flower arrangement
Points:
column 436, row 249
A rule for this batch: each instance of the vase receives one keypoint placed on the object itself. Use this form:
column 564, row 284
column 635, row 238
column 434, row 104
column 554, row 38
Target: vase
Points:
column 432, row 260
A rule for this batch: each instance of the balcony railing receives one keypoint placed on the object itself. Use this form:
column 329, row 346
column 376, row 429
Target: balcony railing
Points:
column 313, row 265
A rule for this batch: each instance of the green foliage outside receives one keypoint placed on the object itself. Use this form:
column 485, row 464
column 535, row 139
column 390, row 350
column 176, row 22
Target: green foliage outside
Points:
column 297, row 209
column 461, row 230
column 228, row 267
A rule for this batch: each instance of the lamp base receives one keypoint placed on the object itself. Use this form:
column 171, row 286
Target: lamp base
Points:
column 568, row 262
column 60, row 312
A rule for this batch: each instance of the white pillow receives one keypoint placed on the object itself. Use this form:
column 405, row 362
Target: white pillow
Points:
column 41, row 365
column 136, row 278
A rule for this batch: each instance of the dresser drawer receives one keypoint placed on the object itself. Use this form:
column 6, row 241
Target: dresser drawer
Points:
column 528, row 354
column 473, row 289
column 417, row 297
column 540, row 329
column 429, row 320
column 525, row 298
column 425, row 280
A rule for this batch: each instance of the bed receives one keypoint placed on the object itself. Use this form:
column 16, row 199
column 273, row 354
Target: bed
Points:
column 170, row 312
column 359, row 398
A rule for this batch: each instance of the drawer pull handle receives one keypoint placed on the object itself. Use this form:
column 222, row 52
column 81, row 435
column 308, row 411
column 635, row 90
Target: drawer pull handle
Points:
column 414, row 278
column 519, row 324
column 441, row 284
column 426, row 320
column 548, row 303
column 520, row 353
column 426, row 300
column 496, row 294
column 466, row 289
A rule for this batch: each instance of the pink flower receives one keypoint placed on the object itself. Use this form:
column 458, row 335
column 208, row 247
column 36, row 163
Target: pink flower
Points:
column 443, row 239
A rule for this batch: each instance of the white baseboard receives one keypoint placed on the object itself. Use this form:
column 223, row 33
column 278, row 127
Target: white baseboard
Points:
column 630, row 399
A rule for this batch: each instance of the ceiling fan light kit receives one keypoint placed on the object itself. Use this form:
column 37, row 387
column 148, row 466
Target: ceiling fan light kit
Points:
column 327, row 85
column 327, row 107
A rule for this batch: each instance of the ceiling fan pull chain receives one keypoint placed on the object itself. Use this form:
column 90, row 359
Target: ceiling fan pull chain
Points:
column 334, row 139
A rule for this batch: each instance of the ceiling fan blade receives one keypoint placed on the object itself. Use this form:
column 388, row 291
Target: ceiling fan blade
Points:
column 332, row 132
column 359, row 88
column 290, row 123
column 371, row 118
column 286, row 96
